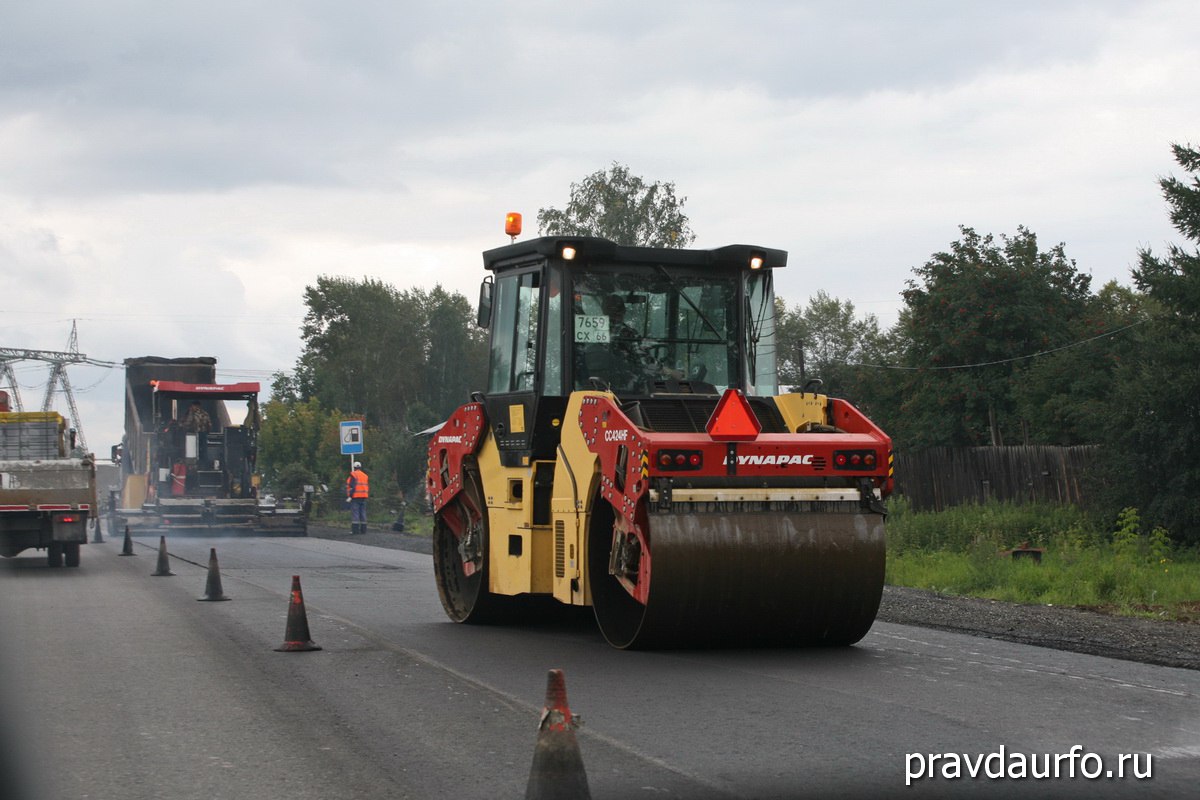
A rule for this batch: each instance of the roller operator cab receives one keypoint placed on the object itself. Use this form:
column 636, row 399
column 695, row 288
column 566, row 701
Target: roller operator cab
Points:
column 633, row 453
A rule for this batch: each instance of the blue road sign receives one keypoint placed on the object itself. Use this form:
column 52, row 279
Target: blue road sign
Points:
column 352, row 437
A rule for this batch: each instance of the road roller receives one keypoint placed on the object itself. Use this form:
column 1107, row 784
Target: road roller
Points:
column 633, row 452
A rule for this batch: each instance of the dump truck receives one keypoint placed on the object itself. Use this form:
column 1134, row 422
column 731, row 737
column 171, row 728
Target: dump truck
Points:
column 47, row 486
column 634, row 453
column 186, row 465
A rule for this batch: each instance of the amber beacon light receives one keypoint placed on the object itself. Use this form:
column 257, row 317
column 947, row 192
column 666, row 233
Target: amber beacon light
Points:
column 512, row 224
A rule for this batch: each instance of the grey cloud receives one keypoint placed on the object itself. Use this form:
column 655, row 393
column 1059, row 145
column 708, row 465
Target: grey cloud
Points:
column 154, row 97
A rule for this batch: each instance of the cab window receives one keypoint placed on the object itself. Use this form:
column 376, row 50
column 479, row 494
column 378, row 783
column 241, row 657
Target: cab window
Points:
column 514, row 351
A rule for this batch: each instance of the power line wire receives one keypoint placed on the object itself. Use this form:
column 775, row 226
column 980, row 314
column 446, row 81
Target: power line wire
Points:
column 1003, row 360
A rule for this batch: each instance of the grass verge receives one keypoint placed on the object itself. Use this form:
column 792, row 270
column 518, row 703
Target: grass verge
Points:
column 1124, row 570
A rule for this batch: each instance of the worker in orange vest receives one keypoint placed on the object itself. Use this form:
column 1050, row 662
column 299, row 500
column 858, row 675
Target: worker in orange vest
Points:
column 357, row 491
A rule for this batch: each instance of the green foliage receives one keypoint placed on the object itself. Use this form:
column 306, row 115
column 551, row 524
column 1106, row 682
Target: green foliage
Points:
column 1131, row 544
column 405, row 463
column 992, row 526
column 615, row 205
column 401, row 361
column 959, row 552
column 1157, row 430
column 361, row 339
column 1120, row 368
column 453, row 359
column 291, row 479
column 1060, row 396
column 968, row 313
column 1126, row 541
column 1094, row 579
column 299, row 436
column 833, row 341
column 1159, row 546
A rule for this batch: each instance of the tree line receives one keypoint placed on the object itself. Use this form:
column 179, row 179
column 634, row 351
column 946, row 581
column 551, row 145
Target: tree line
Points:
column 1000, row 341
column 399, row 360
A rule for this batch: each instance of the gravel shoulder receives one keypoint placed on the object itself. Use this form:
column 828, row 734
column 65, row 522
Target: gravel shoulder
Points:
column 1162, row 642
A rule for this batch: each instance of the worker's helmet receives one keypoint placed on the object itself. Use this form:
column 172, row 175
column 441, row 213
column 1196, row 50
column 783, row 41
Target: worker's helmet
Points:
column 358, row 465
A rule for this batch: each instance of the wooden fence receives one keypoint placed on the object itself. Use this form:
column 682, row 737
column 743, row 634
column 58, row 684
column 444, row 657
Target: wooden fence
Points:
column 941, row 477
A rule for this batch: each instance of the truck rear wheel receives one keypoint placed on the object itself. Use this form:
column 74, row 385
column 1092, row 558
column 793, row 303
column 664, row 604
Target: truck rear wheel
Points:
column 54, row 555
column 71, row 551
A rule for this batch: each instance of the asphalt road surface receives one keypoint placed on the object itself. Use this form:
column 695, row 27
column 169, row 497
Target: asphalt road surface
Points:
column 119, row 684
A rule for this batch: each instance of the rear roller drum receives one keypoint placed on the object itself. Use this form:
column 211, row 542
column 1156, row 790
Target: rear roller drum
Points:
column 618, row 614
column 460, row 559
column 738, row 579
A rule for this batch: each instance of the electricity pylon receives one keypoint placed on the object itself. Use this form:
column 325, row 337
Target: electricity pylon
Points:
column 58, row 376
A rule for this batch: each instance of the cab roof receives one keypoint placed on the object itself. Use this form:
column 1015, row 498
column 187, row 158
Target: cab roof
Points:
column 589, row 249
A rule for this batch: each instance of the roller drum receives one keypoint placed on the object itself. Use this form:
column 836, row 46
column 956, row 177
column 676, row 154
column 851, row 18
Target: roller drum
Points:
column 748, row 579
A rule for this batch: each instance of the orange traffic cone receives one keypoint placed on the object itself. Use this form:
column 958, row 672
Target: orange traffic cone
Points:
column 557, row 772
column 127, row 549
column 296, row 638
column 212, row 587
column 164, row 566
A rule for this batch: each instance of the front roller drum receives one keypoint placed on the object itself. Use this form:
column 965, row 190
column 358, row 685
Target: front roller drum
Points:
column 461, row 539
column 746, row 579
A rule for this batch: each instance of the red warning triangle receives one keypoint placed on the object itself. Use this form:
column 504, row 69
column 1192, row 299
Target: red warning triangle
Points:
column 733, row 420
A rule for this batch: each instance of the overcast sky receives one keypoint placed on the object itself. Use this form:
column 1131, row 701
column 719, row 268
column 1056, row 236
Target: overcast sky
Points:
column 172, row 175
